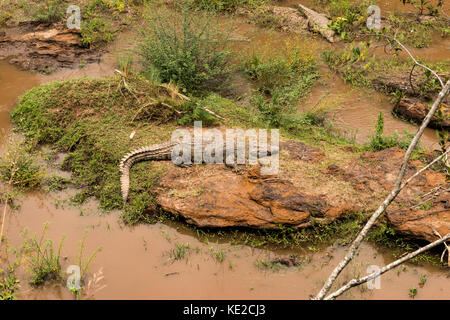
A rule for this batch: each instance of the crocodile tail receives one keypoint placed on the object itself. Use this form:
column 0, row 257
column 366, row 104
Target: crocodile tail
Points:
column 125, row 166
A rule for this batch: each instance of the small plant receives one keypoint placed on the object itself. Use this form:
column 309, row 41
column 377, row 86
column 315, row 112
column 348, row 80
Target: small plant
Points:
column 96, row 31
column 55, row 183
column 94, row 284
column 423, row 280
column 226, row 5
column 380, row 142
column 268, row 265
column 412, row 292
column 18, row 168
column 180, row 251
column 84, row 265
column 339, row 26
column 219, row 254
column 43, row 258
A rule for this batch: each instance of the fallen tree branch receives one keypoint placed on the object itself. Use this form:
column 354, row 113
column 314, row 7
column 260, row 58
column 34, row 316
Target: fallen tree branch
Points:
column 355, row 282
column 398, row 187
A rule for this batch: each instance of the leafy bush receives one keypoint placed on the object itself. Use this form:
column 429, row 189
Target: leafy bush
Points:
column 19, row 169
column 186, row 48
column 43, row 258
column 96, row 31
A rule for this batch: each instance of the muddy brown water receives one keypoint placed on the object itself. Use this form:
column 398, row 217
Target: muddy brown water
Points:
column 135, row 261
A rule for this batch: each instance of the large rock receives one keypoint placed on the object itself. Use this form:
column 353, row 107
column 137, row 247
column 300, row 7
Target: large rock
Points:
column 46, row 50
column 375, row 173
column 421, row 224
column 218, row 197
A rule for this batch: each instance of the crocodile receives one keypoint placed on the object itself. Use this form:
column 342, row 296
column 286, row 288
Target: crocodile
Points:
column 163, row 152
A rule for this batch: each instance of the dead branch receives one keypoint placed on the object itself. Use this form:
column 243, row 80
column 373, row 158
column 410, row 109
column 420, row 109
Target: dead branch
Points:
column 355, row 282
column 3, row 223
column 398, row 187
column 446, row 249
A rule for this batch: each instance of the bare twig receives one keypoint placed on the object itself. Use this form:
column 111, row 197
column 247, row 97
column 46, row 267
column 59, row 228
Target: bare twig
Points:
column 447, row 249
column 398, row 187
column 3, row 223
column 213, row 113
column 356, row 282
column 406, row 50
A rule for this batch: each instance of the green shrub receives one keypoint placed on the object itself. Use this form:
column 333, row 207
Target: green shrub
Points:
column 43, row 258
column 17, row 167
column 186, row 48
column 96, row 31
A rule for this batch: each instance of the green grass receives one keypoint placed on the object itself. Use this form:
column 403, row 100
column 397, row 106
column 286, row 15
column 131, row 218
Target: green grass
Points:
column 180, row 251
column 55, row 183
column 379, row 141
column 268, row 265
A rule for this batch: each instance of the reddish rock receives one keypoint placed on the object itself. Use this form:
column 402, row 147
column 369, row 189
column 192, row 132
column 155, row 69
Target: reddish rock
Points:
column 420, row 224
column 374, row 173
column 225, row 199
